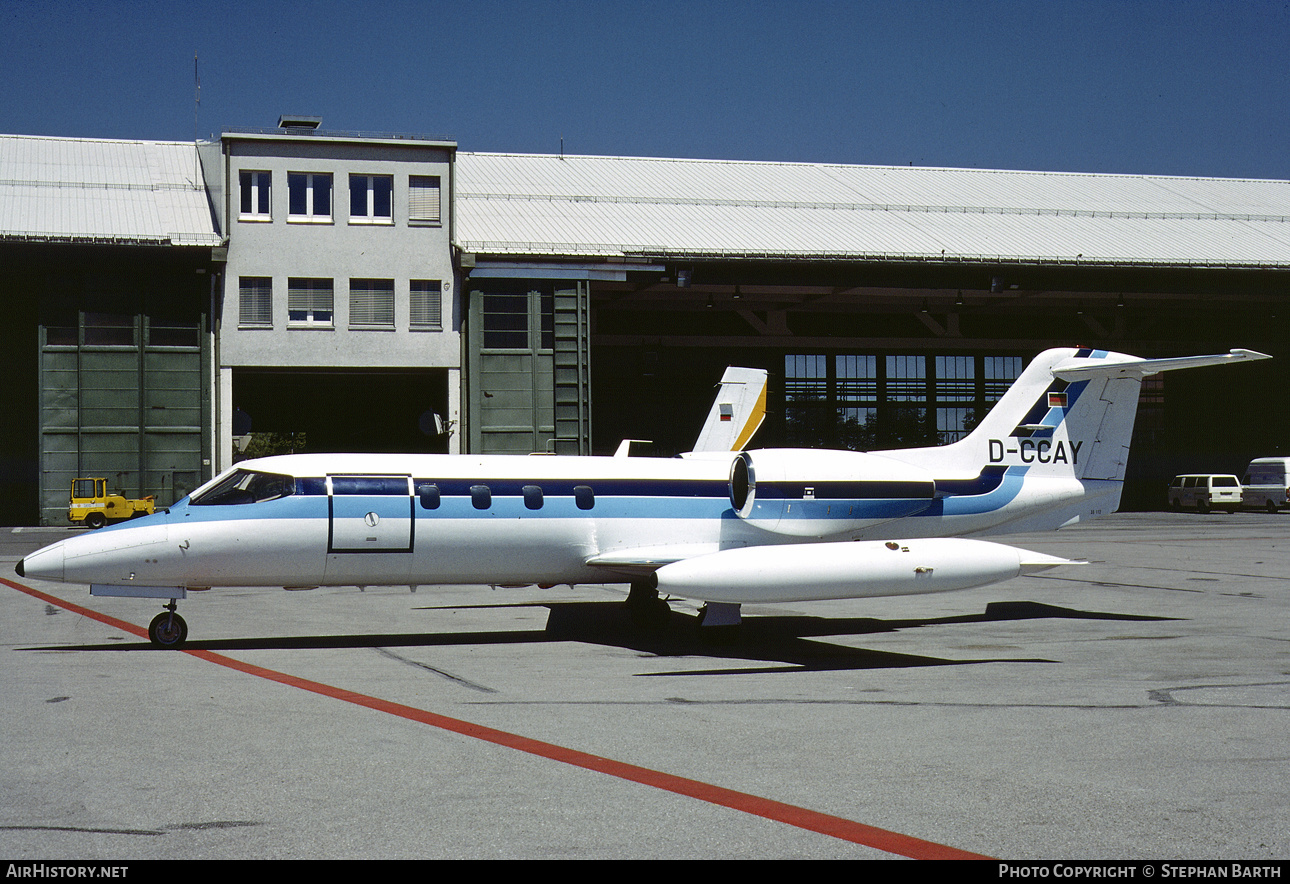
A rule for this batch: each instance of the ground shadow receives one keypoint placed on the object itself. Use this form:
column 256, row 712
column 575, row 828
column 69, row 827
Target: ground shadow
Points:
column 777, row 643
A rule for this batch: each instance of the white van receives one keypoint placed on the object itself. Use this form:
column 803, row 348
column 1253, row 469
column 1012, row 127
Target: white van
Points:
column 1205, row 491
column 1267, row 480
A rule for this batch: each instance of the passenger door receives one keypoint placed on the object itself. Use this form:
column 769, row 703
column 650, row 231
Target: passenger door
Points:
column 370, row 514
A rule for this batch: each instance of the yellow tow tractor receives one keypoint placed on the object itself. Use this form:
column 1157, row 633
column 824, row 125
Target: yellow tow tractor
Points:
column 92, row 505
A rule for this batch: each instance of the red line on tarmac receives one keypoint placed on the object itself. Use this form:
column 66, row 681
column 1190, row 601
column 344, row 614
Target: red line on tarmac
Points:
column 800, row 817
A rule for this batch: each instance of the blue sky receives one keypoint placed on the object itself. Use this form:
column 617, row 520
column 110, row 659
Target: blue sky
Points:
column 1191, row 87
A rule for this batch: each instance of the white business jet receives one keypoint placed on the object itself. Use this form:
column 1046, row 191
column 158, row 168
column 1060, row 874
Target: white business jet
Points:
column 721, row 525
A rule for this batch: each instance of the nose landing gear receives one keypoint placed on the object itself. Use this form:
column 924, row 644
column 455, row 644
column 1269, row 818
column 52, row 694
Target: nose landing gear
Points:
column 168, row 629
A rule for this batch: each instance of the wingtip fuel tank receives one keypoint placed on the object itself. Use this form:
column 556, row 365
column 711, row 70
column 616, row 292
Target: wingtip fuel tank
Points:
column 813, row 572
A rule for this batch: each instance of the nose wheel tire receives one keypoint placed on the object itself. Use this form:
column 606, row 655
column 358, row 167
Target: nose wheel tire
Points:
column 167, row 630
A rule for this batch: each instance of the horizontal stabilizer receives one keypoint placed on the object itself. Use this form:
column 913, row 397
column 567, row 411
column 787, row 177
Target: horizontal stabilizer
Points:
column 1131, row 366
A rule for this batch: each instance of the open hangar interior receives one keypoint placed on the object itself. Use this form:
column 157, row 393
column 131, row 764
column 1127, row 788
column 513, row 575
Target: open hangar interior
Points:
column 658, row 350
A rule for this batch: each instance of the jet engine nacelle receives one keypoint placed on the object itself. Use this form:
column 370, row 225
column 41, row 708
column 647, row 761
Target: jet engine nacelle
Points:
column 805, row 493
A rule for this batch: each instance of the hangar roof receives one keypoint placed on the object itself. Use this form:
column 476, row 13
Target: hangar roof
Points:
column 617, row 207
column 102, row 191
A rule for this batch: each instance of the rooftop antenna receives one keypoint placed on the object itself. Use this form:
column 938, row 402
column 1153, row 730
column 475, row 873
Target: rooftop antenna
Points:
column 197, row 103
column 561, row 147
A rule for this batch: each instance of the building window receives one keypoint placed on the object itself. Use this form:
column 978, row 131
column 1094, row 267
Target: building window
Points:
column 255, row 196
column 309, row 197
column 370, row 199
column 906, row 379
column 110, row 330
column 1000, row 372
column 310, row 303
column 255, row 302
column 423, row 199
column 425, row 305
column 809, row 409
column 371, row 303
column 506, row 322
column 955, row 393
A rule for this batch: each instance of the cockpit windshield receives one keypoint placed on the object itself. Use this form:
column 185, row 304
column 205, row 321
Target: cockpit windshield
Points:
column 246, row 486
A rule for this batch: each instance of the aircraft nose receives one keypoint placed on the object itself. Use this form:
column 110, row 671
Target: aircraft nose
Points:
column 43, row 564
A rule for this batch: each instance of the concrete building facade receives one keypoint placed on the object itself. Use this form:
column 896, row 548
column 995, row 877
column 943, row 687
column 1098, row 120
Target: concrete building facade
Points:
column 338, row 321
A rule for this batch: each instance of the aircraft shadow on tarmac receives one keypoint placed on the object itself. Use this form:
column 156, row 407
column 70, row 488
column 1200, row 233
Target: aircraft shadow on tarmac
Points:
column 786, row 641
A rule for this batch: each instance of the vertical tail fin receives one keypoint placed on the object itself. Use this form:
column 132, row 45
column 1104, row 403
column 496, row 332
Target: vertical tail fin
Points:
column 1070, row 414
column 738, row 411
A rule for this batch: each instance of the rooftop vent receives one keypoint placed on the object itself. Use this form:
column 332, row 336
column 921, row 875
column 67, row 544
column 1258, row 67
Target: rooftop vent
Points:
column 290, row 121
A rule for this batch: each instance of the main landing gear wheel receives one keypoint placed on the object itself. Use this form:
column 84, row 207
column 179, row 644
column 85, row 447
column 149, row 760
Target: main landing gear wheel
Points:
column 168, row 630
column 644, row 606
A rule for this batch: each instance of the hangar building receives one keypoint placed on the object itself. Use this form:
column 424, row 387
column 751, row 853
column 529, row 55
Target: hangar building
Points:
column 169, row 307
column 108, row 252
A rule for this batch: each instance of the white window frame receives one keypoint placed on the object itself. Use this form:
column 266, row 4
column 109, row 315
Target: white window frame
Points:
column 310, row 288
column 258, row 184
column 369, row 215
column 311, row 215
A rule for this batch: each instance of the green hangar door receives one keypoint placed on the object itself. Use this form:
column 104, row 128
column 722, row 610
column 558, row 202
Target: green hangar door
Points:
column 123, row 396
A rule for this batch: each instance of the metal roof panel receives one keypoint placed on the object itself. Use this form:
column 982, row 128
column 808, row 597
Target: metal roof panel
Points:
column 91, row 190
column 614, row 206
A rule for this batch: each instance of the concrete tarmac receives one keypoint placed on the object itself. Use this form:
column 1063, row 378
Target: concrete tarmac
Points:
column 1136, row 707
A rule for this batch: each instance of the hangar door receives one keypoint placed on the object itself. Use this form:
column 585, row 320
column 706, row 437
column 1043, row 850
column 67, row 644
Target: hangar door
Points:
column 123, row 396
column 529, row 367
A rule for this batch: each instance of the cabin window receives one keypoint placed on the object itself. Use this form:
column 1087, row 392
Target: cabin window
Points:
column 246, row 486
column 533, row 497
column 584, row 497
column 429, row 496
column 481, row 496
